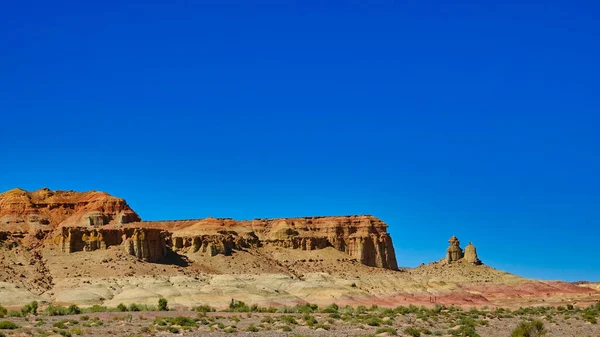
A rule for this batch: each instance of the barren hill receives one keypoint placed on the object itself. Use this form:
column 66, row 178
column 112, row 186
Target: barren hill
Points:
column 92, row 248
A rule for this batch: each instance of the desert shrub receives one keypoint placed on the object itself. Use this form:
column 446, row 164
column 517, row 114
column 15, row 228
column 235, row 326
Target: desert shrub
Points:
column 252, row 328
column 238, row 306
column 332, row 308
column 413, row 308
column 268, row 320
column 590, row 314
column 146, row 307
column 347, row 310
column 286, row 328
column 388, row 330
column 73, row 310
column 322, row 326
column 182, row 321
column 8, row 325
column 57, row 310
column 77, row 331
column 310, row 320
column 373, row 321
column 464, row 331
column 30, row 309
column 97, row 308
column 412, row 332
column 163, row 304
column 62, row 324
column 2, row 334
column 230, row 329
column 468, row 321
column 401, row 310
column 64, row 333
column 220, row 325
column 529, row 329
column 307, row 308
column 179, row 321
column 173, row 329
column 438, row 308
column 288, row 319
column 3, row 311
column 570, row 307
column 135, row 307
column 203, row 308
column 121, row 307
column 387, row 312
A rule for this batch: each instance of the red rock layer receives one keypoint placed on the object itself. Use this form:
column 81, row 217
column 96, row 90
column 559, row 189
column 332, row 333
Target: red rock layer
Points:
column 45, row 209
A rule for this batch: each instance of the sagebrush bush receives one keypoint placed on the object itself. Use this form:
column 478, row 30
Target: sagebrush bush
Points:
column 8, row 325
column 163, row 304
column 30, row 309
column 73, row 310
column 57, row 310
column 529, row 329
column 412, row 332
column 203, row 308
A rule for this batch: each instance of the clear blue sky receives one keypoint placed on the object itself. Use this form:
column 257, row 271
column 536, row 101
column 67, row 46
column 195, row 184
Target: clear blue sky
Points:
column 476, row 119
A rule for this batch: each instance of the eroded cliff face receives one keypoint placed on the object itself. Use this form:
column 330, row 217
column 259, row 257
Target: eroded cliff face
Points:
column 89, row 221
column 145, row 244
column 363, row 237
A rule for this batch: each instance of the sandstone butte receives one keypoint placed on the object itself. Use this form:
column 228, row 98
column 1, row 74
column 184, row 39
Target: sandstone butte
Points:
column 91, row 247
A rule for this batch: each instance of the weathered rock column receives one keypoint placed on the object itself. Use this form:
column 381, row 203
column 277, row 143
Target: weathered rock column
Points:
column 471, row 254
column 454, row 252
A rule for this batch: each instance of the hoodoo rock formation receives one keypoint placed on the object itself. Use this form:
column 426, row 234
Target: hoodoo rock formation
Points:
column 455, row 253
column 89, row 221
column 471, row 254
